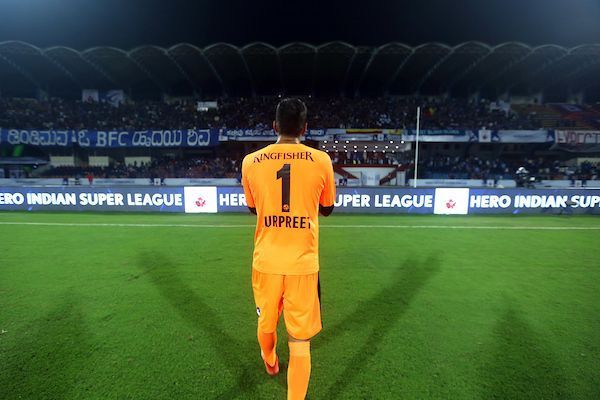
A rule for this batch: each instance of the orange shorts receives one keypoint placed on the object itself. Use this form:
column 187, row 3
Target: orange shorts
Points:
column 296, row 295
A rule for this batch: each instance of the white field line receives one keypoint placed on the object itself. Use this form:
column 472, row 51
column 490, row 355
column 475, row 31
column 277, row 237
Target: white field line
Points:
column 131, row 225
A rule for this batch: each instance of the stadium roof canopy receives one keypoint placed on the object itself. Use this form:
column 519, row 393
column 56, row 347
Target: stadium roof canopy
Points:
column 300, row 68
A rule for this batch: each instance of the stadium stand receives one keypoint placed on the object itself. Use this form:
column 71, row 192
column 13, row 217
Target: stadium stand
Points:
column 158, row 168
column 439, row 166
column 345, row 87
column 256, row 113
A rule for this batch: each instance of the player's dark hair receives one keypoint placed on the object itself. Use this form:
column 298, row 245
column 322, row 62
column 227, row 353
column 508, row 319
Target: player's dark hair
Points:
column 291, row 116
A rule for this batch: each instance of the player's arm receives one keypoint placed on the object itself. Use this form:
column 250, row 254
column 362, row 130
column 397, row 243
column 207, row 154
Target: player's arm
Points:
column 325, row 211
column 247, row 190
column 327, row 200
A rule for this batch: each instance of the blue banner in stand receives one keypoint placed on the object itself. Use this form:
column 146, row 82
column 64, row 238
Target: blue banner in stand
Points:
column 266, row 135
column 112, row 139
column 441, row 135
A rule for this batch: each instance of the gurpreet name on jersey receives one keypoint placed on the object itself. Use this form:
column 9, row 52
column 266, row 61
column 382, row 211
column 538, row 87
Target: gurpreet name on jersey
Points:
column 287, row 221
column 302, row 155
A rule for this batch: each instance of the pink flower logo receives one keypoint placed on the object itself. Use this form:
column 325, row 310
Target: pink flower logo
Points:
column 200, row 202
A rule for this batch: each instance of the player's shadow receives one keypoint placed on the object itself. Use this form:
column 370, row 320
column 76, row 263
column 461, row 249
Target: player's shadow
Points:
column 377, row 316
column 240, row 358
column 519, row 365
column 47, row 359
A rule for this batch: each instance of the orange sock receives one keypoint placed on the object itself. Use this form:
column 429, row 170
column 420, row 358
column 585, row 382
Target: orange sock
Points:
column 299, row 370
column 268, row 342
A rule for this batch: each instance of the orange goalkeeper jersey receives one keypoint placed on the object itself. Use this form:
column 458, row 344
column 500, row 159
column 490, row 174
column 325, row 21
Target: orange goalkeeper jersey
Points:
column 286, row 183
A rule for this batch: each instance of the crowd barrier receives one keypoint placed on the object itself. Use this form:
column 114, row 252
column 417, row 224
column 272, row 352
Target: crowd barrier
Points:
column 381, row 200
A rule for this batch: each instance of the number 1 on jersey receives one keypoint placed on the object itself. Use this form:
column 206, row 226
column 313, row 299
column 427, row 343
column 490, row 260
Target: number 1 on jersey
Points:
column 284, row 174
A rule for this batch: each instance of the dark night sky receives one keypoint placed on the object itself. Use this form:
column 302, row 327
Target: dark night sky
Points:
column 129, row 23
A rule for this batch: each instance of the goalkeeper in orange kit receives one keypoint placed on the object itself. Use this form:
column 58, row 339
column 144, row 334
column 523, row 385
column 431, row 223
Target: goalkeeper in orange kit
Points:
column 287, row 185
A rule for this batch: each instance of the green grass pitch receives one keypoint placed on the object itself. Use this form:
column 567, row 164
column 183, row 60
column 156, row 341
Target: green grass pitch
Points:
column 466, row 309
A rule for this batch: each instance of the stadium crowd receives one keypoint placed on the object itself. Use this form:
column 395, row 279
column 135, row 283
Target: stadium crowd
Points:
column 217, row 167
column 430, row 167
column 257, row 113
column 472, row 167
